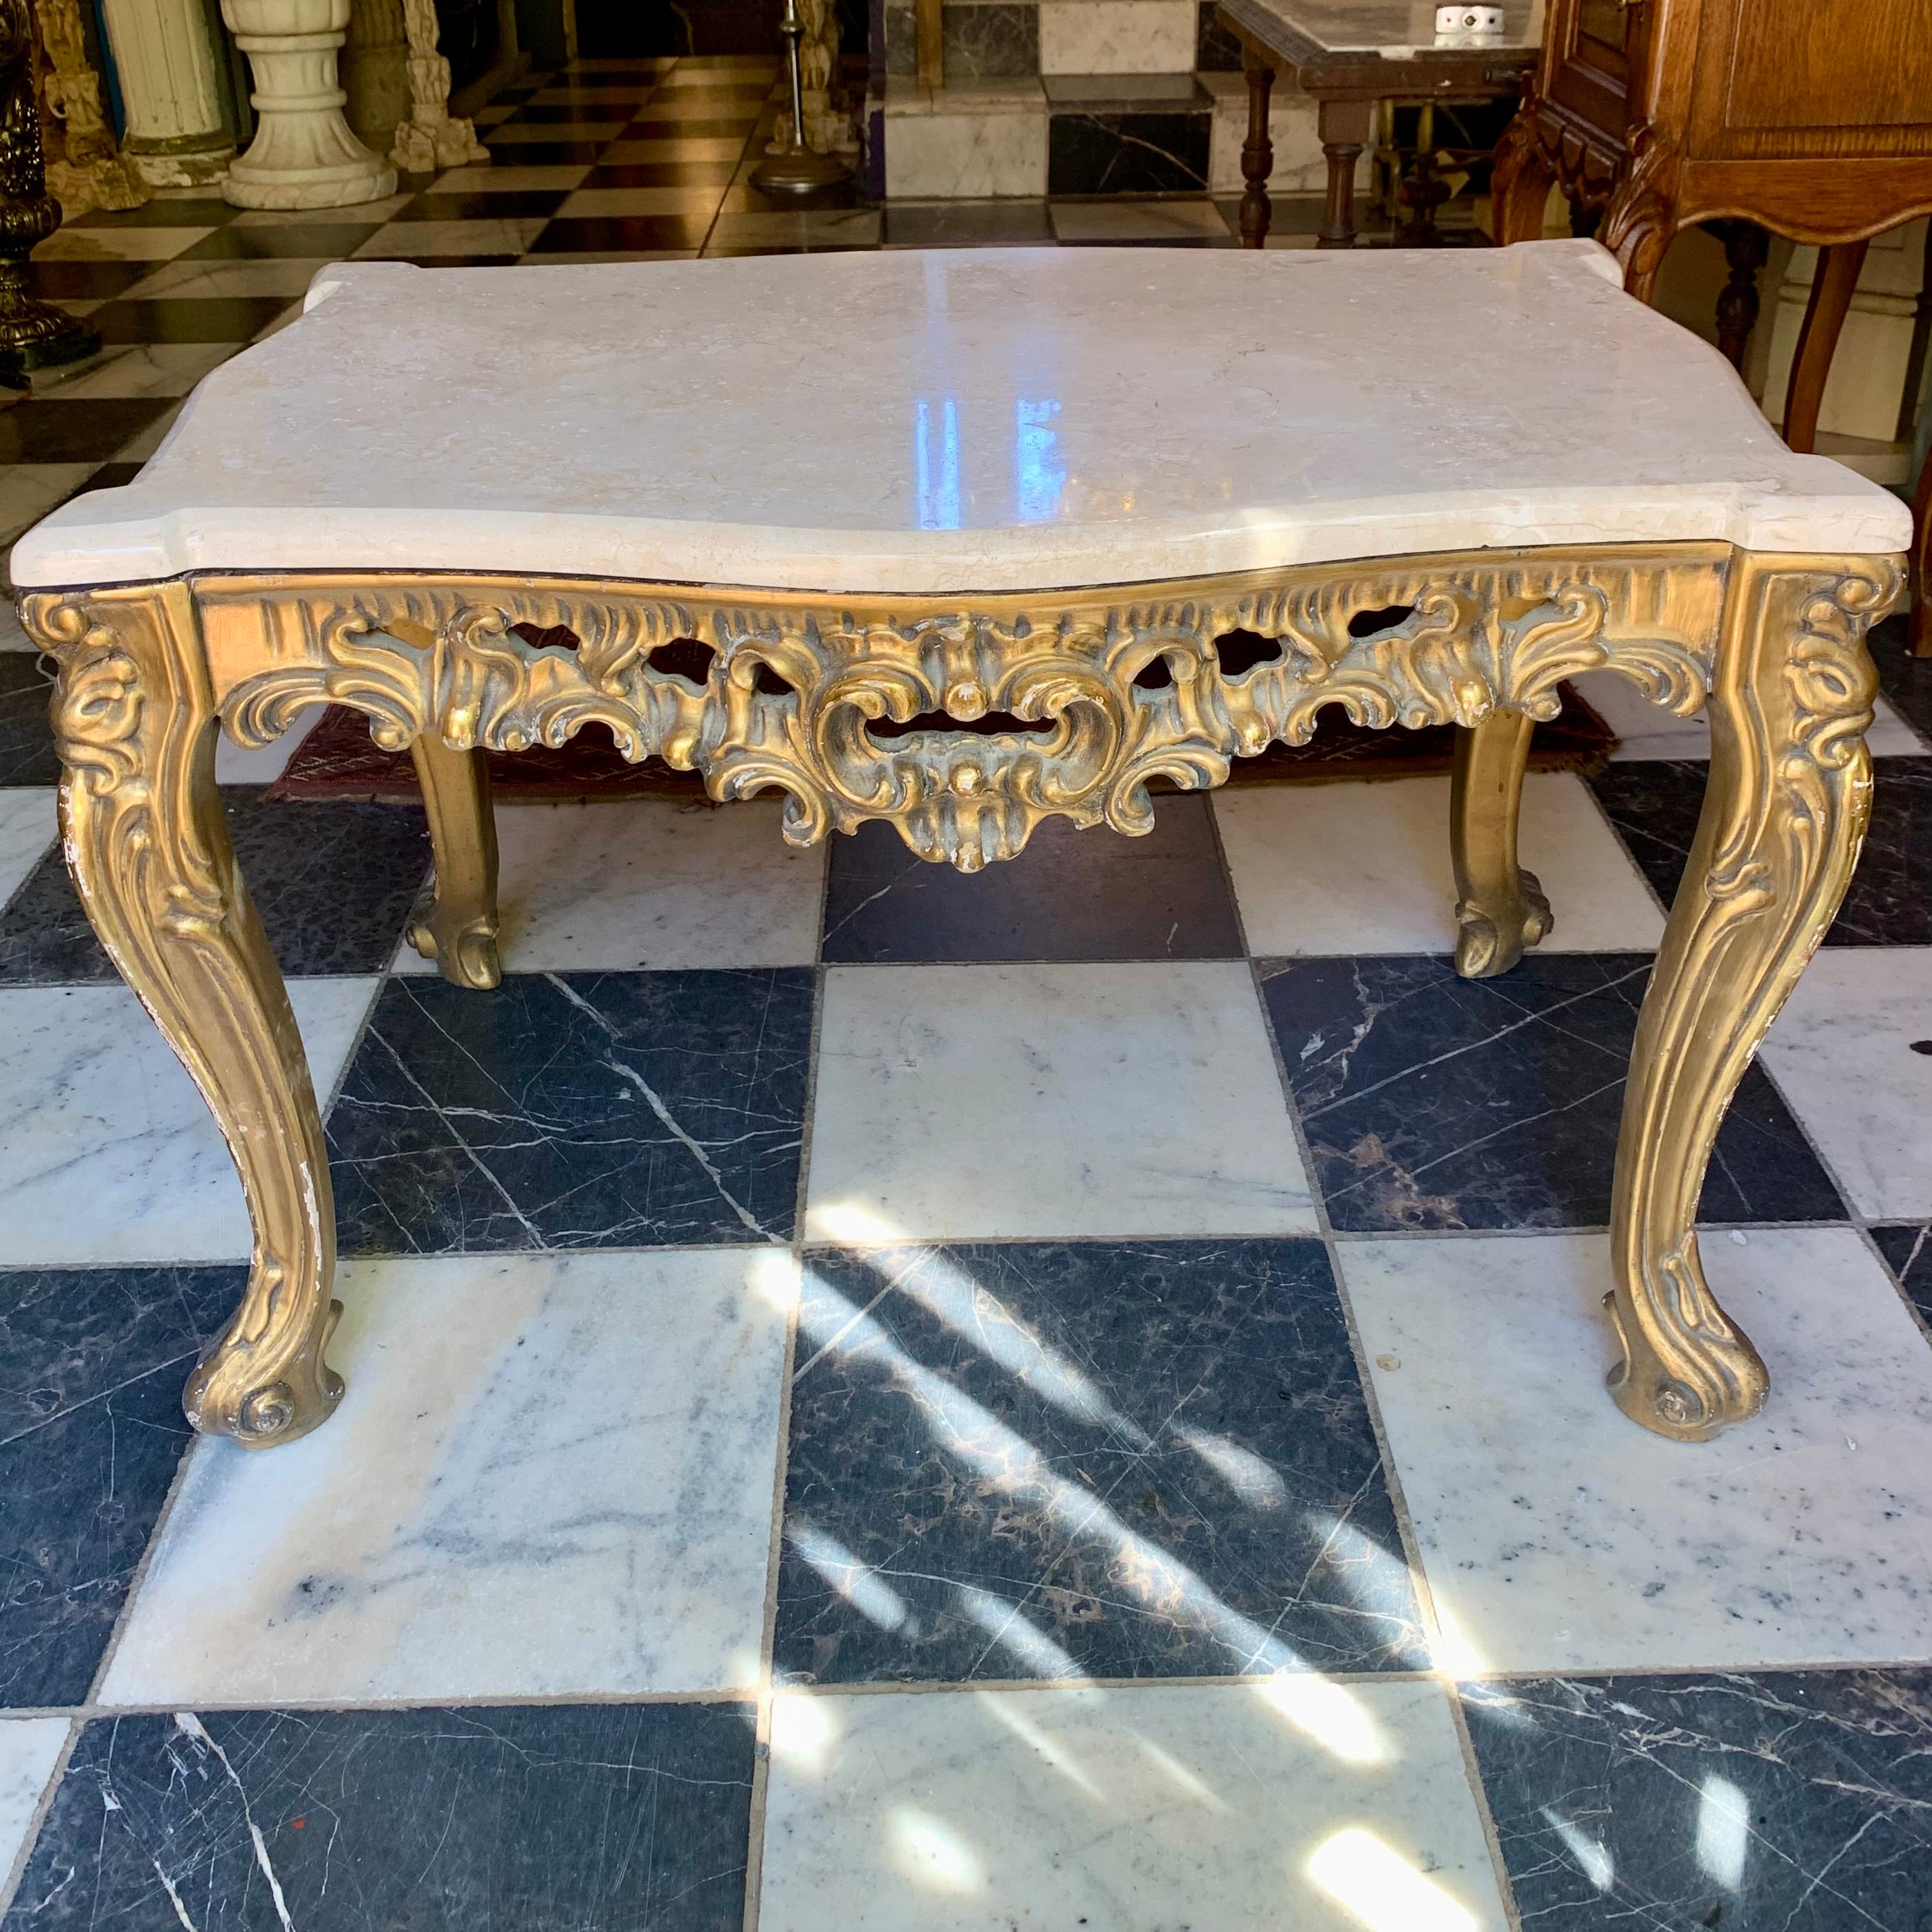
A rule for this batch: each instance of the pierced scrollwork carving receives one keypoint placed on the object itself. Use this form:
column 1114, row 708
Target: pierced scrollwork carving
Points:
column 812, row 696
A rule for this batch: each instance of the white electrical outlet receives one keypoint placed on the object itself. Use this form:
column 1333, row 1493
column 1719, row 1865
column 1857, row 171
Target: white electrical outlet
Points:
column 1469, row 23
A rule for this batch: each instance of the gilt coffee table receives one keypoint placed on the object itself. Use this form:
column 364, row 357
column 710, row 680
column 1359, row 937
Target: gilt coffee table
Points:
column 805, row 518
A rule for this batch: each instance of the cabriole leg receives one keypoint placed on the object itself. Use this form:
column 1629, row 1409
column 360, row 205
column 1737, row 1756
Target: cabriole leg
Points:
column 1785, row 807
column 460, row 933
column 1500, row 908
column 146, row 839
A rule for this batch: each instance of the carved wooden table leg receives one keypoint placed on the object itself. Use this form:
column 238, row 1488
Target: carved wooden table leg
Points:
column 460, row 933
column 1833, row 283
column 1344, row 126
column 1257, row 156
column 1785, row 809
column 1500, row 909
column 1747, row 247
column 145, row 837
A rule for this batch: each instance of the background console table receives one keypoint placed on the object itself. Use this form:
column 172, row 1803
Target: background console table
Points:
column 1811, row 118
column 1029, row 491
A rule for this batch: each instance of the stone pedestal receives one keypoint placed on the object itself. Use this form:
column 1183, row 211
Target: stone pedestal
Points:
column 429, row 139
column 303, row 155
column 165, row 57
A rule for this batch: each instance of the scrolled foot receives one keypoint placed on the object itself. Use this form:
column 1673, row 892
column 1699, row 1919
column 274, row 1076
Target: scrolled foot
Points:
column 459, row 930
column 1491, row 938
column 465, row 952
column 1691, row 1399
column 259, row 1402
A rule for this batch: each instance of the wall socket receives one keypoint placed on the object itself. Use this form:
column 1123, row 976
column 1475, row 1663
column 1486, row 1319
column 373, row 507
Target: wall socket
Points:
column 1469, row 23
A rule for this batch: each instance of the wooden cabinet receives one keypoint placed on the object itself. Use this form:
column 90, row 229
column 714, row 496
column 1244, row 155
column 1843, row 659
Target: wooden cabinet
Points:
column 1811, row 118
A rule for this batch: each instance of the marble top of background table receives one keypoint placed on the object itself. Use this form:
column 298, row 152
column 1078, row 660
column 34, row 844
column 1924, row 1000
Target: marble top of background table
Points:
column 946, row 421
column 1388, row 29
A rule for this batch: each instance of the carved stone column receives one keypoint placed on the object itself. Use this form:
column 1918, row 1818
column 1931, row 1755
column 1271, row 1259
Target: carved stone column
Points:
column 92, row 172
column 429, row 139
column 32, row 333
column 373, row 70
column 303, row 155
column 164, row 56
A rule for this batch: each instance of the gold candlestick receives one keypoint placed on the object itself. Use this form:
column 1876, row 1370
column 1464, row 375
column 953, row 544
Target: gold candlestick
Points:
column 795, row 168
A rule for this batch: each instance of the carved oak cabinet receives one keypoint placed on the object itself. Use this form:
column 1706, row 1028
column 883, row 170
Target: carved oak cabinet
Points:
column 1811, row 118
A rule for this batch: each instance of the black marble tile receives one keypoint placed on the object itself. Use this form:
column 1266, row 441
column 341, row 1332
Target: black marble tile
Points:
column 661, row 174
column 518, row 204
column 1432, row 1101
column 901, row 25
column 27, row 754
column 522, row 1819
column 1216, row 50
column 195, row 212
column 968, row 224
column 85, row 281
column 1907, row 1249
column 296, row 242
column 191, row 318
column 82, row 430
column 457, row 261
column 583, row 1110
column 540, row 153
column 1654, row 807
column 1905, row 680
column 991, row 39
column 1034, row 1460
column 569, row 114
column 1071, row 894
column 334, row 884
column 112, row 476
column 1787, row 1801
column 1095, row 151
column 91, row 1365
column 602, row 234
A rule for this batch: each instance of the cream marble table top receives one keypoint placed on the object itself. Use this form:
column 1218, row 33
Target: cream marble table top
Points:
column 942, row 421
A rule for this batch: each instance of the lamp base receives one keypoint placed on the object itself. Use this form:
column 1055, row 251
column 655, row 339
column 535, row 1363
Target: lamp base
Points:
column 799, row 171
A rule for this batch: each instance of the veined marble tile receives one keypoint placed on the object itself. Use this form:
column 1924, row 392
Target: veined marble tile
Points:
column 28, row 490
column 550, row 1474
column 452, row 237
column 118, row 244
column 273, row 275
column 1557, row 1534
column 562, row 1816
column 1365, row 868
column 29, row 1749
column 28, row 829
column 1328, row 1808
column 977, row 146
column 643, row 201
column 1841, row 1050
column 1645, row 731
column 1139, row 221
column 1797, row 1800
column 1116, row 36
column 248, row 764
column 613, row 887
column 961, row 1101
column 482, row 180
column 27, row 754
column 1300, row 165
column 12, row 637
column 625, row 153
column 107, row 1152
column 143, row 443
column 520, row 134
column 804, row 228
column 154, row 368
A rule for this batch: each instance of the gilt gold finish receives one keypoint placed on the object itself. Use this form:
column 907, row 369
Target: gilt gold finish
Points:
column 1106, row 690
column 1500, row 908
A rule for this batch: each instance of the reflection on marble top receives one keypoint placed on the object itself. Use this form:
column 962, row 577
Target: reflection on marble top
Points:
column 996, row 420
column 1389, row 29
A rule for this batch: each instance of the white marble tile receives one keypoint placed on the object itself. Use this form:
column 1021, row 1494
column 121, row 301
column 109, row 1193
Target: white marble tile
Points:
column 155, row 368
column 1116, row 36
column 1557, row 1534
column 1300, row 165
column 488, row 237
column 973, row 142
column 28, row 490
column 955, row 1101
column 360, row 214
column 106, row 1151
column 29, row 1749
column 1841, row 1054
column 1365, row 868
column 12, row 637
column 117, row 244
column 1646, row 731
column 275, row 276
column 707, row 147
column 746, row 107
column 1138, row 220
column 551, row 1475
column 27, row 828
column 248, row 764
column 1324, row 1808
column 596, row 201
column 653, row 884
column 508, row 139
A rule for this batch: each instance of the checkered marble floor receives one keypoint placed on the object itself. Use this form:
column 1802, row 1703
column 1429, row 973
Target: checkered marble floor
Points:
column 884, row 1400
